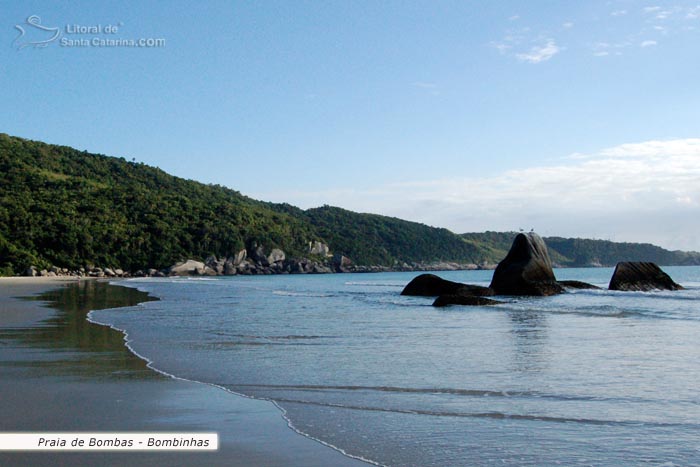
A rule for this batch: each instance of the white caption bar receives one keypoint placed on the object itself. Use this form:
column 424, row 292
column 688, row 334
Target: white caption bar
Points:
column 109, row 441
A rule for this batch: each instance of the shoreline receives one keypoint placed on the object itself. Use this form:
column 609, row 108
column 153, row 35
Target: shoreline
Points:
column 50, row 384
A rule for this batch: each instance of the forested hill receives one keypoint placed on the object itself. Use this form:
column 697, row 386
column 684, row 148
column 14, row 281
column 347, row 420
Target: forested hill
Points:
column 580, row 252
column 65, row 207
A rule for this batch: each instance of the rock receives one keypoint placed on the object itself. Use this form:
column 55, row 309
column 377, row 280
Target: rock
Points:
column 109, row 272
column 152, row 272
column 276, row 256
column 186, row 268
column 526, row 270
column 430, row 285
column 51, row 274
column 320, row 269
column 319, row 249
column 341, row 263
column 577, row 285
column 119, row 272
column 214, row 264
column 641, row 276
column 30, row 271
column 44, row 273
column 238, row 258
column 55, row 270
column 229, row 268
column 461, row 298
column 257, row 254
column 207, row 271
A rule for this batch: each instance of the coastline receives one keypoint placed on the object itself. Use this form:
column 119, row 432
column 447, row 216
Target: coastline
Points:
column 62, row 374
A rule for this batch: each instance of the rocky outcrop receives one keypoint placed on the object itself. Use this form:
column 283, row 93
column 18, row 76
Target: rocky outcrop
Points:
column 318, row 249
column 187, row 268
column 341, row 263
column 430, row 285
column 461, row 298
column 577, row 285
column 526, row 270
column 276, row 256
column 641, row 276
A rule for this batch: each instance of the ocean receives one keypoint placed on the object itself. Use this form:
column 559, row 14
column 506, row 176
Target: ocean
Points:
column 591, row 377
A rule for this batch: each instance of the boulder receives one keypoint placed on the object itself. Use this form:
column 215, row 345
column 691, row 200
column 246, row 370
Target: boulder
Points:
column 430, row 285
column 239, row 257
column 461, row 298
column 109, row 272
column 30, row 271
column 276, row 256
column 257, row 254
column 577, row 285
column 526, row 270
column 186, row 268
column 341, row 263
column 319, row 249
column 641, row 276
column 216, row 265
column 229, row 268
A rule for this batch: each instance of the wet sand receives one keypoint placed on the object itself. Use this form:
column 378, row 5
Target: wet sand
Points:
column 60, row 373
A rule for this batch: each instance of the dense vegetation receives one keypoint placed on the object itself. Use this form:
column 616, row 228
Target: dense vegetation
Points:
column 70, row 208
column 579, row 252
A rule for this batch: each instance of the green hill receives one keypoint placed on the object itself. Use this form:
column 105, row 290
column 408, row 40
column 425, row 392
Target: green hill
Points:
column 580, row 252
column 65, row 207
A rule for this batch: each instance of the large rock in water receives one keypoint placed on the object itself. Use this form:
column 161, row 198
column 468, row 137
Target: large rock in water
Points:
column 526, row 270
column 430, row 285
column 641, row 276
column 461, row 298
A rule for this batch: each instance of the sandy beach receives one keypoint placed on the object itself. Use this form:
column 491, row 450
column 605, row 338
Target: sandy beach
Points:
column 60, row 373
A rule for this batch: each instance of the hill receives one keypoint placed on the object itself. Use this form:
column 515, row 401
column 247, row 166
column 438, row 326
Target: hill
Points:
column 70, row 208
column 580, row 252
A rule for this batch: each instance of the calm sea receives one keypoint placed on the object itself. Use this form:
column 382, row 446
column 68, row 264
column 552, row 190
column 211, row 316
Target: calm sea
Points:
column 585, row 378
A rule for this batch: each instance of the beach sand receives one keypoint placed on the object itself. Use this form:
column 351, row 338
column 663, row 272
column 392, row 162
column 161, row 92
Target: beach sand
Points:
column 60, row 373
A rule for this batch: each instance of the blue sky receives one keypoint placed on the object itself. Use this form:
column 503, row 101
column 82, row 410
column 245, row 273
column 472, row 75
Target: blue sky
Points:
column 572, row 118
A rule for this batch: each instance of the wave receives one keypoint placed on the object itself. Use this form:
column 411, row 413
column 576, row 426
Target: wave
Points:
column 150, row 364
column 493, row 415
column 375, row 284
column 287, row 293
column 457, row 392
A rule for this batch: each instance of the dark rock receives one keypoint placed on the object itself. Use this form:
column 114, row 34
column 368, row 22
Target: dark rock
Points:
column 577, row 285
column 461, row 298
column 641, row 276
column 341, row 263
column 526, row 270
column 229, row 268
column 30, row 271
column 430, row 285
column 257, row 254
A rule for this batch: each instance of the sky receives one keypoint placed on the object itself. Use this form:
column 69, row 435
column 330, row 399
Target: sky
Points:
column 575, row 119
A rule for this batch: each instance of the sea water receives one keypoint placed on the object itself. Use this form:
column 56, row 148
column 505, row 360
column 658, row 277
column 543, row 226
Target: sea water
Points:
column 590, row 377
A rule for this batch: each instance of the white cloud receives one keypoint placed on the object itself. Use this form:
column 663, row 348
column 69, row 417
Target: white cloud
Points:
column 618, row 13
column 647, row 43
column 647, row 191
column 541, row 53
column 567, row 25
